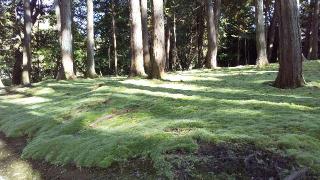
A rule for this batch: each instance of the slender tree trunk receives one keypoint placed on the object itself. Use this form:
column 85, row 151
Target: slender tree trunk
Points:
column 114, row 33
column 159, row 49
column 290, row 71
column 1, row 84
column 66, row 40
column 91, row 71
column 314, row 34
column 174, row 50
column 137, row 62
column 145, row 31
column 168, row 44
column 261, row 44
column 200, row 34
column 211, row 61
column 273, row 31
column 26, row 62
column 59, row 68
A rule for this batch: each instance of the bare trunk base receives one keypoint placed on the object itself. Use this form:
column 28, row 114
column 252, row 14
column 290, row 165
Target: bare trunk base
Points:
column 262, row 62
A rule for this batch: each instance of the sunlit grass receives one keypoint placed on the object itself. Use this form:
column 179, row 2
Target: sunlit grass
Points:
column 147, row 118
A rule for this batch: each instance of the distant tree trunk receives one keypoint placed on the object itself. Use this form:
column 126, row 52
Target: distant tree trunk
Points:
column 59, row 69
column 26, row 62
column 159, row 50
column 1, row 84
column 211, row 61
column 174, row 50
column 91, row 71
column 261, row 44
column 290, row 71
column 200, row 34
column 114, row 33
column 145, row 34
column 273, row 31
column 168, row 44
column 314, row 34
column 66, row 41
column 238, row 51
column 137, row 62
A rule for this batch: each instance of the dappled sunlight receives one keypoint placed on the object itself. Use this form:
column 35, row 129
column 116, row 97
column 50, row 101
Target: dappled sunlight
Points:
column 28, row 100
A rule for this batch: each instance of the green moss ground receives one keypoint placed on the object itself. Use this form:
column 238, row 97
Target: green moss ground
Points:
column 112, row 120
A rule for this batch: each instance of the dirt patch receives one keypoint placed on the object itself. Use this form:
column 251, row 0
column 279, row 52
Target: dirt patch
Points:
column 133, row 169
column 237, row 161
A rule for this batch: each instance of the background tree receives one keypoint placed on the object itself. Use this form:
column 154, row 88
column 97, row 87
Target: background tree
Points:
column 211, row 61
column 114, row 33
column 290, row 71
column 145, row 34
column 159, row 49
column 314, row 33
column 262, row 59
column 91, row 72
column 66, row 40
column 137, row 65
column 26, row 63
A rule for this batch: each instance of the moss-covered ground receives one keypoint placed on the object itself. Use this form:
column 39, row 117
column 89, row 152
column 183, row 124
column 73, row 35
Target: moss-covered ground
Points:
column 97, row 123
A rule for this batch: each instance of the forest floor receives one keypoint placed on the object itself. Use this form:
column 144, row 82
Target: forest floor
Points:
column 207, row 124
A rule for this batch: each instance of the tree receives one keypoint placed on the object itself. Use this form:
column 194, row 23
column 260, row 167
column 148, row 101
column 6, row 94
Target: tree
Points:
column 146, row 51
column 290, row 71
column 26, row 62
column 159, row 49
column 314, row 33
column 1, row 84
column 91, row 72
column 66, row 40
column 262, row 59
column 137, row 65
column 211, row 61
column 114, row 37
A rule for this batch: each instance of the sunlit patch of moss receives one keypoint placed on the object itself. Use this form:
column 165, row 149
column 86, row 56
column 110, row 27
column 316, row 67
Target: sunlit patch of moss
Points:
column 112, row 120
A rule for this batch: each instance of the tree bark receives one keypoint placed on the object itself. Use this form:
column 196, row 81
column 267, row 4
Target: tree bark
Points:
column 114, row 34
column 66, row 40
column 91, row 71
column 314, row 34
column 200, row 34
column 174, row 50
column 211, row 61
column 272, row 31
column 146, row 47
column 137, row 62
column 290, row 71
column 26, row 62
column 262, row 59
column 168, row 44
column 159, row 51
column 1, row 84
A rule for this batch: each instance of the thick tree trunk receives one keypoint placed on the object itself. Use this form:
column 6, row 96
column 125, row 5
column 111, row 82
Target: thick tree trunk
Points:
column 159, row 49
column 114, row 34
column 66, row 40
column 146, row 47
column 262, row 59
column 17, row 70
column 290, row 71
column 211, row 61
column 314, row 34
column 273, row 31
column 26, row 62
column 137, row 62
column 91, row 71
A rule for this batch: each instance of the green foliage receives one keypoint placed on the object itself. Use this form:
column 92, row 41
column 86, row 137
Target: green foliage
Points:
column 105, row 121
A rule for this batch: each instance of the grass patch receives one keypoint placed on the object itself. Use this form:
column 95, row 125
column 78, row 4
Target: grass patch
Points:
column 112, row 120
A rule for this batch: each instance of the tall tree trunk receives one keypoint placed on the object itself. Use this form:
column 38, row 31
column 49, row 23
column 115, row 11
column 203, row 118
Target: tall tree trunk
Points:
column 211, row 61
column 168, row 43
column 174, row 50
column 137, row 62
column 159, row 49
column 26, row 62
column 1, row 84
column 66, row 40
column 290, row 71
column 146, row 47
column 314, row 34
column 114, row 33
column 59, row 68
column 91, row 71
column 200, row 34
column 261, row 44
column 273, row 31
